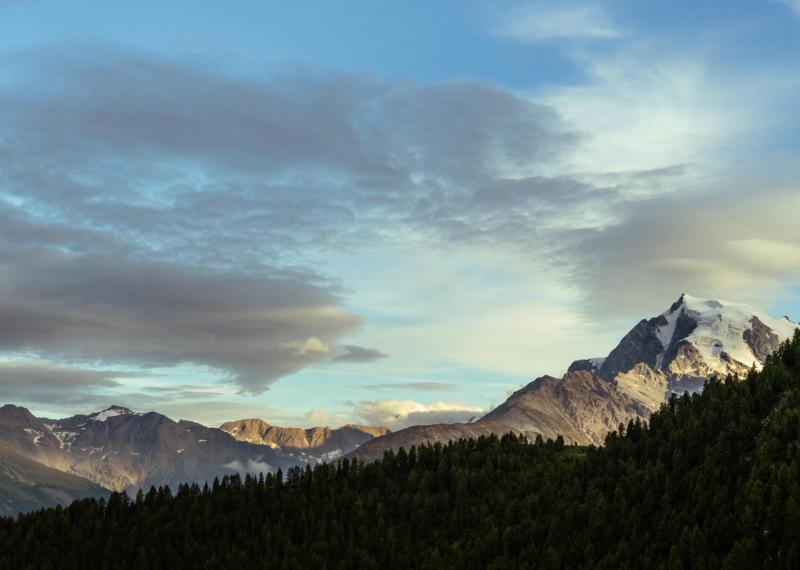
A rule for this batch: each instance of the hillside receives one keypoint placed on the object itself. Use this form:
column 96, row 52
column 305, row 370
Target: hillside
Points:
column 712, row 482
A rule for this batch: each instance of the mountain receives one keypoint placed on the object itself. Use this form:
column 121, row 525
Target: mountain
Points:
column 317, row 443
column 121, row 449
column 696, row 338
column 676, row 351
column 27, row 485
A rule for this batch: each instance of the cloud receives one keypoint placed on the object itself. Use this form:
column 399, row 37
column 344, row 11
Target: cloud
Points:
column 252, row 467
column 424, row 386
column 48, row 383
column 352, row 353
column 298, row 161
column 793, row 5
column 322, row 418
column 730, row 243
column 399, row 414
column 550, row 20
column 183, row 224
column 121, row 309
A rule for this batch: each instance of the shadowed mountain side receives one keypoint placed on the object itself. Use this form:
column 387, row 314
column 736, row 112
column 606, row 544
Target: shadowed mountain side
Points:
column 27, row 485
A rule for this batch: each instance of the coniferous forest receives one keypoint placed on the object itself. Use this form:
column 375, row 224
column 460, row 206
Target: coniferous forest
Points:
column 712, row 482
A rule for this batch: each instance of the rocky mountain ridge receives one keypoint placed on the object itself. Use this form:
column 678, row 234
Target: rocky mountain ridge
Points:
column 321, row 443
column 118, row 449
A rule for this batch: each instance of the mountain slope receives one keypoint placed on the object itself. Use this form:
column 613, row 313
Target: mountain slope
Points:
column 581, row 407
column 26, row 485
column 318, row 443
column 673, row 352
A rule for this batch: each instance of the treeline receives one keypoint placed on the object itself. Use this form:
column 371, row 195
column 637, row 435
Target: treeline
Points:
column 712, row 482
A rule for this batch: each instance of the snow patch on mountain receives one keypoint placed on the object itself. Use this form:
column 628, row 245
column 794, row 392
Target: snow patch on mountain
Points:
column 35, row 434
column 112, row 412
column 721, row 330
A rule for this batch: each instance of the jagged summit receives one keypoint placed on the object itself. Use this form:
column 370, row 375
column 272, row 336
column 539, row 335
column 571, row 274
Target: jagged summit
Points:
column 696, row 338
column 322, row 441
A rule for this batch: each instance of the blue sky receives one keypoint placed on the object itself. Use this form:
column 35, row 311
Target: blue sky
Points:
column 377, row 212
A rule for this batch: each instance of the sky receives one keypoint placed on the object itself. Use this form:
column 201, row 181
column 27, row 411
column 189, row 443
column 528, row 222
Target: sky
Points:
column 377, row 212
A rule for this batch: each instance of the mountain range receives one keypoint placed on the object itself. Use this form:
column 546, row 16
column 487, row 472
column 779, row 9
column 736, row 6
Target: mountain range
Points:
column 47, row 461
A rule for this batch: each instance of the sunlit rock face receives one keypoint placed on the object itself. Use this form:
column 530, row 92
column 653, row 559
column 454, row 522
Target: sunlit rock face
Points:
column 317, row 443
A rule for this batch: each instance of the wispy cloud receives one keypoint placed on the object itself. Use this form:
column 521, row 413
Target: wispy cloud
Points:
column 793, row 5
column 424, row 386
column 48, row 383
column 550, row 20
column 352, row 353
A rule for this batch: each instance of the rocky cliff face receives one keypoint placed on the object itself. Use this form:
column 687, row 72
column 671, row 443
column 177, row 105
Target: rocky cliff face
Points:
column 673, row 352
column 317, row 443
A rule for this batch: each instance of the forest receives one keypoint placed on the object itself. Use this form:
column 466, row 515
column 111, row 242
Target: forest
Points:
column 712, row 481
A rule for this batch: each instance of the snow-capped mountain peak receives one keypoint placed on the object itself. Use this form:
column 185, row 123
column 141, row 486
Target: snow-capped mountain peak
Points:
column 696, row 338
column 111, row 412
column 727, row 327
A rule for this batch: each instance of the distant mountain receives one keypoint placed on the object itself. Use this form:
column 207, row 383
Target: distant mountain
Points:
column 26, row 485
column 675, row 351
column 317, row 443
column 119, row 449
